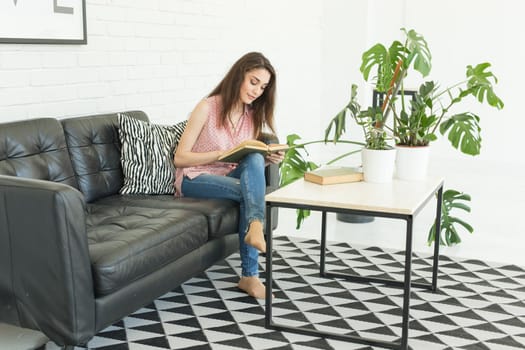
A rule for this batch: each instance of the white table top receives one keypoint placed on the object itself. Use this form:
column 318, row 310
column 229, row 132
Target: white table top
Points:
column 396, row 197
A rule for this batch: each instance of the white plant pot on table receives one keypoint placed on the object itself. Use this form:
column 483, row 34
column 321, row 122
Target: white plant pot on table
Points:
column 378, row 165
column 412, row 162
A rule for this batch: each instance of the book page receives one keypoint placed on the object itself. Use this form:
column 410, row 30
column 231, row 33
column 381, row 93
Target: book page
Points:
column 237, row 153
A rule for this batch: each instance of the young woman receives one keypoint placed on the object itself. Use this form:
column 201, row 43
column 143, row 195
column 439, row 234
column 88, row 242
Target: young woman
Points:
column 238, row 109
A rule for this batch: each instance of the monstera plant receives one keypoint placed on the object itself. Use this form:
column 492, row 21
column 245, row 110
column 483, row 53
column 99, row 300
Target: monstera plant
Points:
column 417, row 116
column 407, row 118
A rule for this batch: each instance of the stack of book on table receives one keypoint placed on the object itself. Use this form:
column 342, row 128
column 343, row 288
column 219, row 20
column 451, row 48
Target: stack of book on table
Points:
column 334, row 175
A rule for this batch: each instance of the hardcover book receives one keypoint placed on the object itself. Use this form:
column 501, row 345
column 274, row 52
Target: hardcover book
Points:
column 334, row 175
column 235, row 154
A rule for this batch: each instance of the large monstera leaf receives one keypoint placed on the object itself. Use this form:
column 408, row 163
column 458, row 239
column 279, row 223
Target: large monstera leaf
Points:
column 480, row 85
column 415, row 51
column 294, row 164
column 385, row 62
column 463, row 132
column 453, row 200
column 419, row 52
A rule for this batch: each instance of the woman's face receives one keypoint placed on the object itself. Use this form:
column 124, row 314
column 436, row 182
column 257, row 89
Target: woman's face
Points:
column 255, row 81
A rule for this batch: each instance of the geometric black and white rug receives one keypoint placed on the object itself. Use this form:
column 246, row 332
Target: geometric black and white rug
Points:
column 478, row 305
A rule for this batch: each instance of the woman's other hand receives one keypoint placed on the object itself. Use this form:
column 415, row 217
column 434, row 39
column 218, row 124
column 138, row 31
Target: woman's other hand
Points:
column 276, row 157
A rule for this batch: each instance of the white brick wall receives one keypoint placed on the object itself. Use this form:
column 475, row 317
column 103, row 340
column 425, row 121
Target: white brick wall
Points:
column 162, row 57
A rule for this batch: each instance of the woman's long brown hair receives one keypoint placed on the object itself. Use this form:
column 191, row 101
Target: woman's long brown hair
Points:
column 229, row 88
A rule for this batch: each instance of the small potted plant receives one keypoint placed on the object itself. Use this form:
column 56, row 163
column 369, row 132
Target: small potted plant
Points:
column 377, row 155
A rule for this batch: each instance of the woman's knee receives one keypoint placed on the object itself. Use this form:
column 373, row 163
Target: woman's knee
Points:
column 254, row 160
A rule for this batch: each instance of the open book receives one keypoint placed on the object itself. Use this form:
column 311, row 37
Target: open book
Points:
column 334, row 175
column 235, row 154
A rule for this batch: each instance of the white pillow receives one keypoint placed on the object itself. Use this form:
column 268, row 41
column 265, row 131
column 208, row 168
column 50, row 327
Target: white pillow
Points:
column 147, row 155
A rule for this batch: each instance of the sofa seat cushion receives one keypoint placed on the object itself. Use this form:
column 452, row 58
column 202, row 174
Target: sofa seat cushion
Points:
column 222, row 214
column 127, row 243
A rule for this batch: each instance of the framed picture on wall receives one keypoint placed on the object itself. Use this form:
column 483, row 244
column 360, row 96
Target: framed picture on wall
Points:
column 43, row 22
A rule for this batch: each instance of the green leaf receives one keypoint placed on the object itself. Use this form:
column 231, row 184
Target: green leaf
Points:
column 376, row 55
column 294, row 164
column 460, row 206
column 338, row 123
column 462, row 223
column 452, row 199
column 480, row 85
column 302, row 214
column 341, row 127
column 463, row 132
column 452, row 236
column 384, row 61
column 419, row 52
column 450, row 194
column 430, row 137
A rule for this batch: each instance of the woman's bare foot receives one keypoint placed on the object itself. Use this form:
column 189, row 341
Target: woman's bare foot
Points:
column 255, row 236
column 253, row 286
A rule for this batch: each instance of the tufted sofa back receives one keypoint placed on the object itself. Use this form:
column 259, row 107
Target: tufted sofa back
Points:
column 36, row 149
column 94, row 148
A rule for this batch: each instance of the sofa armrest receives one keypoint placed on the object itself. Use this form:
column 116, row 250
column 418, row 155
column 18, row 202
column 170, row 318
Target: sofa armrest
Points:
column 45, row 269
column 272, row 170
column 273, row 177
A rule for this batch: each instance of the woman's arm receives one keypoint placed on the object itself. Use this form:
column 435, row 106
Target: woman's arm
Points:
column 184, row 157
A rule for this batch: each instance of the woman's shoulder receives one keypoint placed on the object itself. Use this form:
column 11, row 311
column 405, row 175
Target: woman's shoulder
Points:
column 214, row 101
column 203, row 105
column 207, row 109
column 208, row 104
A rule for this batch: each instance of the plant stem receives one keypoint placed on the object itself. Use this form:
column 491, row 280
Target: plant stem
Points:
column 443, row 112
column 394, row 87
column 342, row 156
column 301, row 145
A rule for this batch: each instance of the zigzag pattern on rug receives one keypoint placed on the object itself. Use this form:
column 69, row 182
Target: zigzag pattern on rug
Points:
column 479, row 305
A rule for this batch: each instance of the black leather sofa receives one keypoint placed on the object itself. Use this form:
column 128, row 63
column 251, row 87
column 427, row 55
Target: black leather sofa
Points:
column 75, row 255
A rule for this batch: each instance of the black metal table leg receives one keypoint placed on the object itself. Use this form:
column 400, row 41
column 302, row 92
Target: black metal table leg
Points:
column 405, row 323
column 269, row 278
column 322, row 258
column 436, row 239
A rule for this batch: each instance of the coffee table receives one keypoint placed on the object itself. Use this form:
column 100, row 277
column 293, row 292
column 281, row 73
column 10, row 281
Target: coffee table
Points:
column 401, row 200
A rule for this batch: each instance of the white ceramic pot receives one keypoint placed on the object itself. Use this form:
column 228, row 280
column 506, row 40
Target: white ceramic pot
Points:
column 378, row 165
column 412, row 162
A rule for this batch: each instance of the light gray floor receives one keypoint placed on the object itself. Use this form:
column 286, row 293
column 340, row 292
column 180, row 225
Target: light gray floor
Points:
column 496, row 239
column 13, row 338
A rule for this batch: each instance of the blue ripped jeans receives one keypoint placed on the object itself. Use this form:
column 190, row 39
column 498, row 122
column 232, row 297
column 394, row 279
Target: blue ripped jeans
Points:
column 246, row 184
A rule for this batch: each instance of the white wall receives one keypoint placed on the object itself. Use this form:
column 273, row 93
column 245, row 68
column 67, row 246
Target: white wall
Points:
column 162, row 56
column 459, row 33
column 471, row 32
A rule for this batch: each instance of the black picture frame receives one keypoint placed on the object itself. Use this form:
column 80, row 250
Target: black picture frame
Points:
column 10, row 34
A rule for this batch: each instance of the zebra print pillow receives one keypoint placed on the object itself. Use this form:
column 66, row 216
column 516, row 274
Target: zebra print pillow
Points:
column 147, row 155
